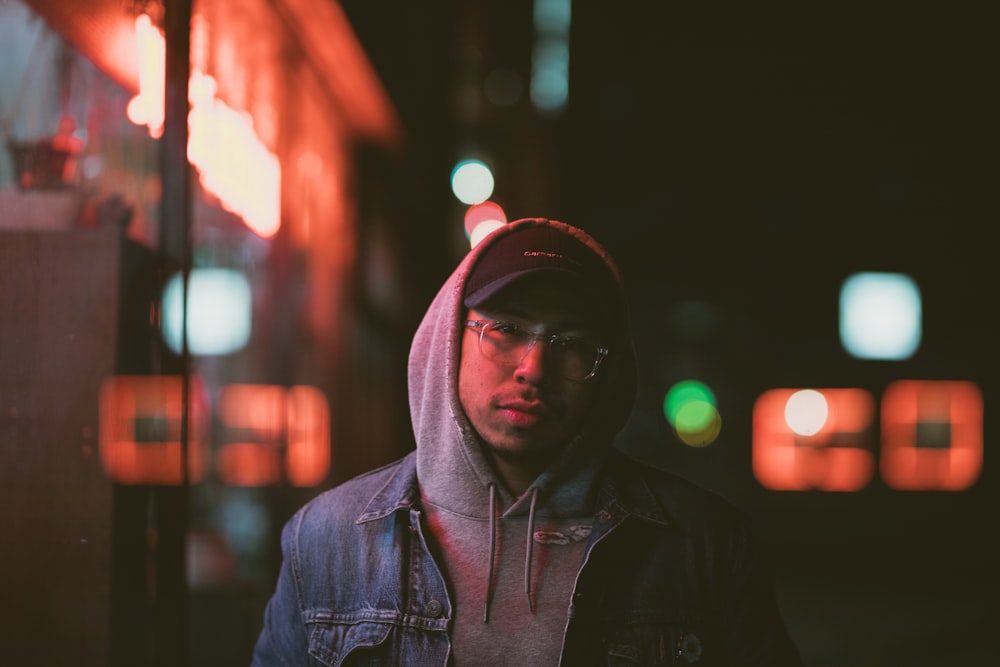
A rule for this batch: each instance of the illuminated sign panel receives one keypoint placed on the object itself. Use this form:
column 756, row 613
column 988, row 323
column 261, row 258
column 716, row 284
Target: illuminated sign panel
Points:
column 932, row 435
column 140, row 429
column 273, row 434
column 308, row 456
column 253, row 420
column 813, row 439
column 270, row 434
column 880, row 315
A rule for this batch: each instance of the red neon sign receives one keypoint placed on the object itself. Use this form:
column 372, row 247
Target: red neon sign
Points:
column 232, row 161
column 140, row 429
column 932, row 435
column 836, row 457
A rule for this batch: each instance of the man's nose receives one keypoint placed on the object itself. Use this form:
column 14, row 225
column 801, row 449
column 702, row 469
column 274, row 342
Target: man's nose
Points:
column 531, row 368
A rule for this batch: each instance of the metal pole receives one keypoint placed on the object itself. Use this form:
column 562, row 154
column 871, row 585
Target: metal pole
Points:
column 171, row 617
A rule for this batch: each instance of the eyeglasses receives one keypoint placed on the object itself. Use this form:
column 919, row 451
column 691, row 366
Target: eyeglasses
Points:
column 507, row 344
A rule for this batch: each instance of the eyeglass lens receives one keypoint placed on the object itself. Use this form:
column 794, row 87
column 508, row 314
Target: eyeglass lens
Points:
column 506, row 344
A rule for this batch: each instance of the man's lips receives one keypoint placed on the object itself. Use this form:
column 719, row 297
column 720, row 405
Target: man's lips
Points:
column 528, row 406
column 523, row 413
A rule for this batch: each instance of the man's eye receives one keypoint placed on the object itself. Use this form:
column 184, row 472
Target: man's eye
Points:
column 506, row 329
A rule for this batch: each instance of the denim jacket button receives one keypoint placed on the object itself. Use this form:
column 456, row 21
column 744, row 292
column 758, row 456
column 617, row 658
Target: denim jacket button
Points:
column 689, row 647
column 434, row 608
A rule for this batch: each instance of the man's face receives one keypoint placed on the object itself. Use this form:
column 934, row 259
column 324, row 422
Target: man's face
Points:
column 527, row 412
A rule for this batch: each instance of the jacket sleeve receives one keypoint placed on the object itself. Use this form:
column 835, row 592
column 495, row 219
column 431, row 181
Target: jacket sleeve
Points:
column 283, row 639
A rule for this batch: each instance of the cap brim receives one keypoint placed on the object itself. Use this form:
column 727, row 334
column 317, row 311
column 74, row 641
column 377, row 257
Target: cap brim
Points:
column 488, row 291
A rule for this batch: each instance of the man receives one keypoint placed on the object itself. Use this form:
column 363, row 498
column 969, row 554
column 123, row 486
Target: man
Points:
column 516, row 534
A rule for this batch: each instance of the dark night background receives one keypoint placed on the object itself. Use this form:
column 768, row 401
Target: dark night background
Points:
column 739, row 159
column 747, row 157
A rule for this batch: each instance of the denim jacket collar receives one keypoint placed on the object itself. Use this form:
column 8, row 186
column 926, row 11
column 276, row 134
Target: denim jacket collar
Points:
column 625, row 495
column 400, row 492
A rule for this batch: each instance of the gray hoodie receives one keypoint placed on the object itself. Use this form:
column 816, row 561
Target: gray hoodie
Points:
column 510, row 594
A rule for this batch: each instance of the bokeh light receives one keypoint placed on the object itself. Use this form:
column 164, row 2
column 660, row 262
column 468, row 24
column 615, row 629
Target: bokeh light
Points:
column 690, row 408
column 549, row 87
column 880, row 316
column 485, row 212
column 806, row 412
column 218, row 311
column 482, row 230
column 472, row 181
column 813, row 439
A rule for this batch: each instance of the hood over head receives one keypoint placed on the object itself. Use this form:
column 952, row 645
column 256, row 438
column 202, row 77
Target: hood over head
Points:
column 452, row 469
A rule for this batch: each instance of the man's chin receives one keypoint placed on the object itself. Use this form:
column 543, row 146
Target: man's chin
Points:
column 526, row 454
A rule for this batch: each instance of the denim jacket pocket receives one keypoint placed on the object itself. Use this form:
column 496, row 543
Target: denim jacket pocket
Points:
column 355, row 644
column 660, row 638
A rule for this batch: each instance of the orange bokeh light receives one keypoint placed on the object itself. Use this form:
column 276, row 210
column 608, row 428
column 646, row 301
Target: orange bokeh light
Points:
column 140, row 429
column 278, row 433
column 932, row 435
column 837, row 457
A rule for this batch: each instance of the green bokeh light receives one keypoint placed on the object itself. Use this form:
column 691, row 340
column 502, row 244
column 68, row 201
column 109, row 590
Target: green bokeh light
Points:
column 695, row 416
column 690, row 408
column 684, row 392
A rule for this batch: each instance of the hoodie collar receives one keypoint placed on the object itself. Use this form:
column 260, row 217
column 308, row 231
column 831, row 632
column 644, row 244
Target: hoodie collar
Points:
column 619, row 496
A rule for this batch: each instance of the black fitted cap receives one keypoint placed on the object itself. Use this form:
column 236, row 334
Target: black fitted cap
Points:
column 539, row 249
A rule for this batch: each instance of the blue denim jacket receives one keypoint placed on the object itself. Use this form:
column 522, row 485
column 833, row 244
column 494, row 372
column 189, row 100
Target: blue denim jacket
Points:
column 669, row 578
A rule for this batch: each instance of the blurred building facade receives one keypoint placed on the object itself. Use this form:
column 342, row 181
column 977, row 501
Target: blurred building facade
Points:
column 99, row 212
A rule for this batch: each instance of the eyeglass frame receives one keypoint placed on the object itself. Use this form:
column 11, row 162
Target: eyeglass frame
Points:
column 482, row 325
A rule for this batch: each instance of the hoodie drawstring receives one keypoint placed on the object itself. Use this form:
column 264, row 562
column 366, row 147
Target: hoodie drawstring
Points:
column 529, row 549
column 493, row 544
